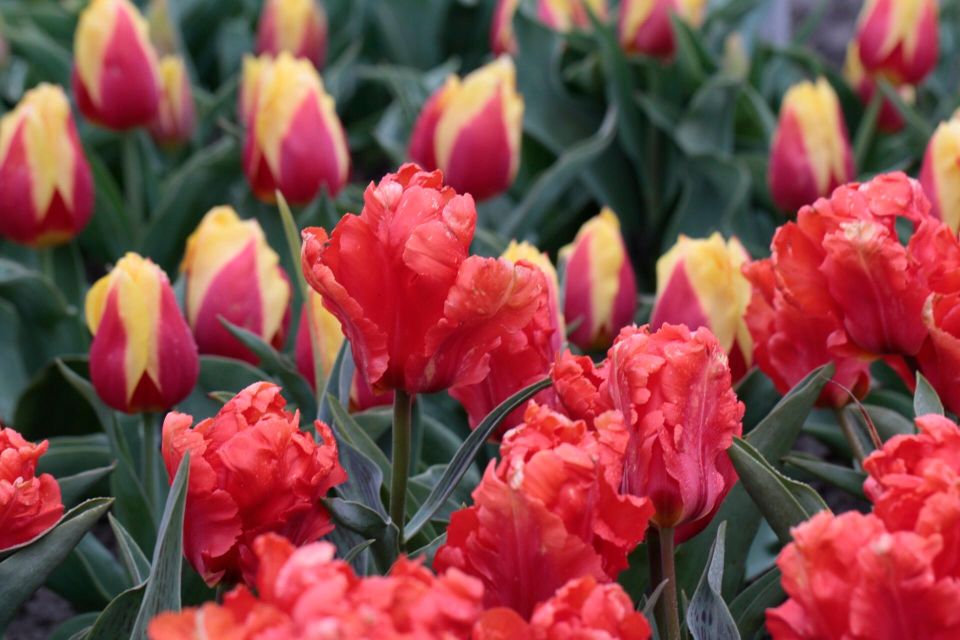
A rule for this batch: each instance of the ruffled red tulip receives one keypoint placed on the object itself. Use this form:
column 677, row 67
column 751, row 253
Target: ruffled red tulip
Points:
column 645, row 26
column 940, row 173
column 298, row 27
column 889, row 118
column 564, row 15
column 115, row 74
column 471, row 129
column 409, row 245
column 46, row 189
column 29, row 504
column 143, row 356
column 939, row 358
column 502, row 38
column 674, row 390
column 294, row 142
column 577, row 383
column 899, row 38
column 600, row 290
column 176, row 115
column 232, row 273
column 252, row 471
column 810, row 155
column 700, row 284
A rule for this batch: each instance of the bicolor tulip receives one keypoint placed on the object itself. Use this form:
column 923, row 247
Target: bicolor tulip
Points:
column 645, row 26
column 29, row 503
column 600, row 290
column 295, row 142
column 252, row 471
column 889, row 118
column 517, row 251
column 564, row 15
column 899, row 39
column 232, row 273
column 143, row 356
column 674, row 389
column 164, row 34
column 411, row 242
column 115, row 76
column 810, row 155
column 176, row 115
column 46, row 189
column 940, row 173
column 471, row 129
column 502, row 38
column 700, row 284
column 298, row 27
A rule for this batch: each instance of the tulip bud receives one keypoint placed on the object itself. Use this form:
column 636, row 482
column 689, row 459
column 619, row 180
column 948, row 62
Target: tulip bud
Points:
column 232, row 273
column 600, row 291
column 517, row 251
column 471, row 130
column 254, row 70
column 298, row 27
column 645, row 25
column 46, row 189
column 143, row 357
column 30, row 503
column 889, row 118
column 899, row 38
column 940, row 173
column 564, row 15
column 502, row 38
column 294, row 142
column 700, row 284
column 176, row 116
column 115, row 74
column 810, row 155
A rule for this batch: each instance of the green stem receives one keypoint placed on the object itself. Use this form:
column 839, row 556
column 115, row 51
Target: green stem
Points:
column 850, row 433
column 655, row 570
column 402, row 413
column 133, row 177
column 667, row 605
column 150, row 448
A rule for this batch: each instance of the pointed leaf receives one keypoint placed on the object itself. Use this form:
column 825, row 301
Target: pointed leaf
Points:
column 749, row 608
column 925, row 398
column 708, row 617
column 119, row 617
column 134, row 562
column 850, row 480
column 75, row 487
column 370, row 525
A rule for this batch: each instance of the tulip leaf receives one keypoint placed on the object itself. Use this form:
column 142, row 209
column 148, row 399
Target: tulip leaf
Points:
column 850, row 480
column 784, row 502
column 70, row 455
column 35, row 295
column 25, row 571
column 89, row 577
column 75, row 488
column 354, row 435
column 163, row 586
column 354, row 552
column 77, row 626
column 708, row 617
column 925, row 398
column 118, row 618
column 466, row 454
column 370, row 525
column 48, row 407
column 889, row 422
column 134, row 562
column 342, row 368
column 750, row 606
column 14, row 377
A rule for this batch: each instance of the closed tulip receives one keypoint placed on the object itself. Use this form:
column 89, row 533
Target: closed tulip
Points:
column 564, row 15
column 470, row 129
column 864, row 83
column 176, row 116
column 294, row 140
column 115, row 76
column 232, row 273
column 600, row 290
column 940, row 173
column 46, row 189
column 700, row 284
column 645, row 25
column 143, row 356
column 29, row 503
column 298, row 27
column 810, row 155
column 899, row 39
column 502, row 38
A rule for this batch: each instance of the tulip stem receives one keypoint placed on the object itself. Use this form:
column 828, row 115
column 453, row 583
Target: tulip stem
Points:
column 402, row 418
column 151, row 469
column 668, row 605
column 845, row 418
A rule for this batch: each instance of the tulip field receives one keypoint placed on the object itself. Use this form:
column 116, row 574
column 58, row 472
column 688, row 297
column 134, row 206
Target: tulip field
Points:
column 479, row 319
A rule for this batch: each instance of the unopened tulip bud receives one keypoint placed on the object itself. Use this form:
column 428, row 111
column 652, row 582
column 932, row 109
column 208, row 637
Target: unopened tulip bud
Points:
column 298, row 27
column 46, row 190
column 940, row 173
column 564, row 15
column 295, row 141
column 810, row 155
column 143, row 357
column 517, row 251
column 471, row 130
column 176, row 116
column 502, row 38
column 899, row 39
column 115, row 75
column 889, row 118
column 232, row 273
column 600, row 291
column 645, row 25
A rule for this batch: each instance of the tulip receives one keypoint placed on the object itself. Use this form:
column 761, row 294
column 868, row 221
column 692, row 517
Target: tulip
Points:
column 298, row 27
column 164, row 33
column 899, row 39
column 143, row 357
column 115, row 75
column 471, row 130
column 940, row 173
column 294, row 141
column 46, row 189
column 517, row 251
column 564, row 15
column 645, row 26
column 939, row 356
column 889, row 118
column 502, row 38
column 810, row 155
column 176, row 116
column 232, row 273
column 252, row 471
column 700, row 284
column 600, row 292
column 411, row 242
column 29, row 503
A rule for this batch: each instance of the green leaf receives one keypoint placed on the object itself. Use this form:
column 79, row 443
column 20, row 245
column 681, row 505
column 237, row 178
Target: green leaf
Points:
column 466, row 454
column 111, row 231
column 26, row 570
column 73, row 626
column 889, row 422
column 850, row 480
column 707, row 125
column 749, row 608
column 75, row 488
column 50, row 406
column 70, row 455
column 369, row 525
column 708, row 617
column 35, row 296
column 925, row 398
column 134, row 562
column 119, row 617
column 89, row 577
column 354, row 435
column 14, row 377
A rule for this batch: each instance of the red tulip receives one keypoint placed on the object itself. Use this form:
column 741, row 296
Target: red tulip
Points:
column 298, row 27
column 939, row 358
column 252, row 471
column 577, row 383
column 176, row 115
column 940, row 173
column 29, row 503
column 889, row 118
column 899, row 38
column 564, row 15
column 645, row 25
column 420, row 314
column 46, row 189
